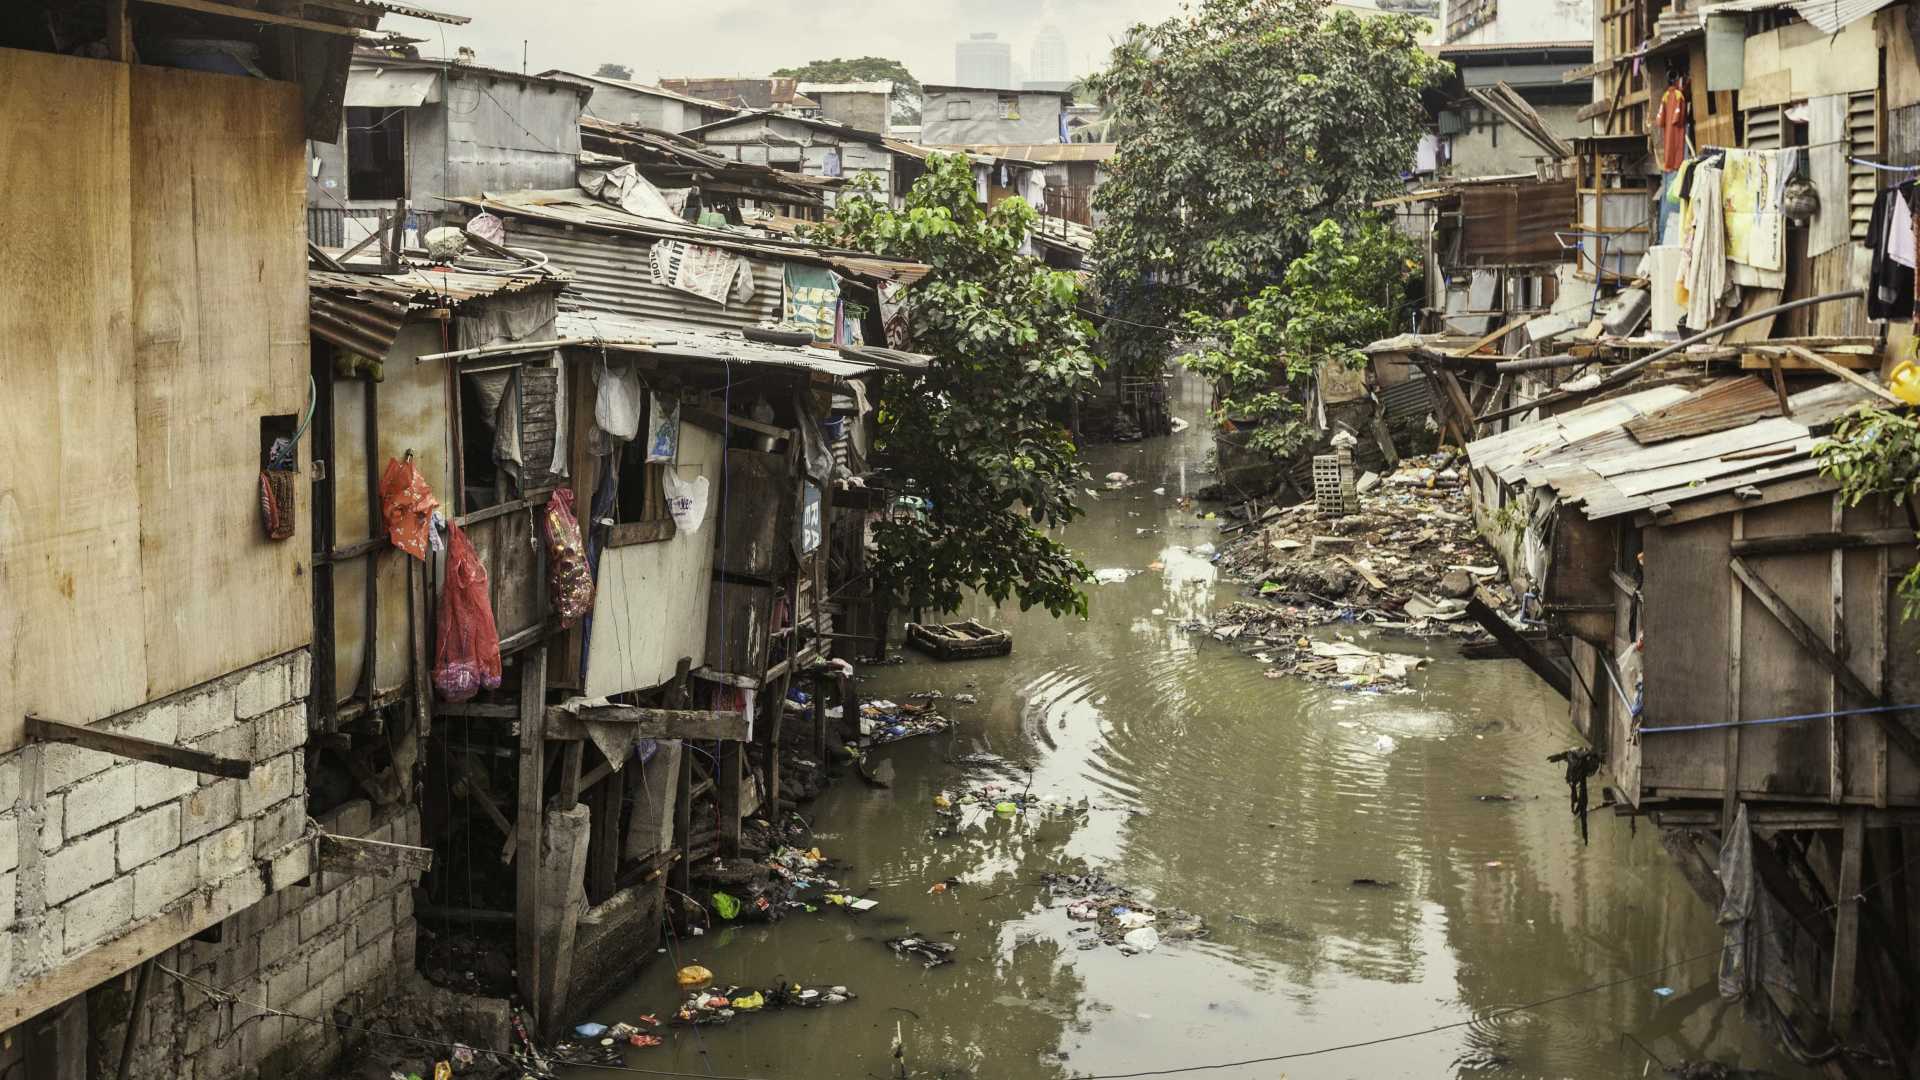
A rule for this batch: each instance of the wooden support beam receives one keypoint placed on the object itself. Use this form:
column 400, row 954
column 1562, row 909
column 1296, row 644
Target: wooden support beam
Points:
column 1495, row 336
column 234, row 11
column 1897, row 730
column 1846, row 931
column 1780, row 385
column 603, row 852
column 1832, row 368
column 478, row 793
column 725, row 724
column 571, row 758
column 727, row 785
column 533, row 713
column 128, row 746
column 1802, row 543
column 1517, row 645
column 683, row 823
column 1730, row 746
column 353, row 855
column 478, row 710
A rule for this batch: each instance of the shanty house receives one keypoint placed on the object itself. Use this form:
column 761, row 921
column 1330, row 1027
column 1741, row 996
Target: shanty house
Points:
column 155, row 853
column 708, row 526
column 864, row 105
column 775, row 94
column 414, row 131
column 813, row 147
column 963, row 115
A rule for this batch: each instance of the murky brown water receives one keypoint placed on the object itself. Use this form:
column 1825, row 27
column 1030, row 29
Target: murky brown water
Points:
column 1214, row 789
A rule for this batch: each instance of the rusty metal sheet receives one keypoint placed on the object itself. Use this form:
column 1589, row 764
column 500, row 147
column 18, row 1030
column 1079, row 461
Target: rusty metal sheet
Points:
column 1515, row 223
column 1729, row 403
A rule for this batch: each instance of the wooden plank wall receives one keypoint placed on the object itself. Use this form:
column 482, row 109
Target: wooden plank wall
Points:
column 1690, row 624
column 218, row 230
column 69, row 506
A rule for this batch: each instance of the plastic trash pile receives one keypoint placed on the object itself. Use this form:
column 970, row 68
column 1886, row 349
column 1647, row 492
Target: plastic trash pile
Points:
column 929, row 952
column 1113, row 915
column 720, row 1005
column 883, row 721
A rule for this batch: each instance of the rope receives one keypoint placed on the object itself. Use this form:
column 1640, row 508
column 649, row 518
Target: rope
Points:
column 1778, row 719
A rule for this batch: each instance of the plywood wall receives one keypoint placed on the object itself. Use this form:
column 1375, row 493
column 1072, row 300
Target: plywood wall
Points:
column 651, row 606
column 413, row 416
column 70, row 628
column 218, row 230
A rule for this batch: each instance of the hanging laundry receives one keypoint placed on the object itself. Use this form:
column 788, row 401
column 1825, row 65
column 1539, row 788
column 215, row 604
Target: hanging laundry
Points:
column 1672, row 122
column 813, row 300
column 1890, row 285
column 1703, row 269
column 1753, row 186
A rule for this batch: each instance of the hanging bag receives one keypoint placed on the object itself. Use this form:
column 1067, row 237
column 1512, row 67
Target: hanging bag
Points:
column 467, row 659
column 569, row 581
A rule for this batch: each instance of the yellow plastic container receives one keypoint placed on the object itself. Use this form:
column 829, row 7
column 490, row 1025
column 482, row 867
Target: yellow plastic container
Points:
column 1904, row 381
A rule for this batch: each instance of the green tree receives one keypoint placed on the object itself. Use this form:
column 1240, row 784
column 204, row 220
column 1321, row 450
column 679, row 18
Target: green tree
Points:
column 978, row 434
column 906, row 88
column 1875, row 453
column 611, row 70
column 1247, row 122
column 1346, row 290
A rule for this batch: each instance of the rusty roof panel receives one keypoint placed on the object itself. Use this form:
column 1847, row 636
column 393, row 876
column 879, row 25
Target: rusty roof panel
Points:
column 1515, row 223
column 1729, row 403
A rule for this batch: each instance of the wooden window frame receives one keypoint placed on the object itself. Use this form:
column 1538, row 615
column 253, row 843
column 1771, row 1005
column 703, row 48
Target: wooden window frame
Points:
column 656, row 524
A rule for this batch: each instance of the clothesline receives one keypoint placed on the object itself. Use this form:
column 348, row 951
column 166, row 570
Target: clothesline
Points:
column 1882, row 166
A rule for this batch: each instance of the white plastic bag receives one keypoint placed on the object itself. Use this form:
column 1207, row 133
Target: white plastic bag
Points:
column 686, row 501
column 617, row 408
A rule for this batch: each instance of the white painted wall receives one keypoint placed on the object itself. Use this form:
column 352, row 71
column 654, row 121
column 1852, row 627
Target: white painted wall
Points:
column 650, row 607
column 1531, row 20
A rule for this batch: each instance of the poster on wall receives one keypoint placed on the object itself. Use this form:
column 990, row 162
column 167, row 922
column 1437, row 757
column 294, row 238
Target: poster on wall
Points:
column 813, row 301
column 810, row 520
column 663, row 428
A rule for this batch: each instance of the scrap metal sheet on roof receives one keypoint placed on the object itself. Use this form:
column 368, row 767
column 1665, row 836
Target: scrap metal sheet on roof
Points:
column 390, row 7
column 365, row 311
column 573, row 207
column 1827, row 16
column 631, row 335
column 1729, row 403
column 1588, row 459
column 1048, row 153
column 373, row 87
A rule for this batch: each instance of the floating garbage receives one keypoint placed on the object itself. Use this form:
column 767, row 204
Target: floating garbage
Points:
column 930, row 952
column 965, row 699
column 693, row 975
column 883, row 722
column 1145, row 939
column 720, row 1004
column 1112, row 575
column 590, row 1030
column 1116, row 916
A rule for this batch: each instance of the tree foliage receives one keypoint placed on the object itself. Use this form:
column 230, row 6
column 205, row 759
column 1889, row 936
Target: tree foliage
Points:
column 977, row 434
column 906, row 88
column 1247, row 123
column 612, row 70
column 1346, row 290
column 1873, row 453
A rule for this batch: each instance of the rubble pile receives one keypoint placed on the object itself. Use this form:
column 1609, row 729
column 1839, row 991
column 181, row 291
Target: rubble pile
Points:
column 1407, row 562
column 1114, row 916
column 883, row 722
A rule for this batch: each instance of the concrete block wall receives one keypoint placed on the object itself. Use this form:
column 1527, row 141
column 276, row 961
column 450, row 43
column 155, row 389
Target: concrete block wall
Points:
column 331, row 947
column 93, row 846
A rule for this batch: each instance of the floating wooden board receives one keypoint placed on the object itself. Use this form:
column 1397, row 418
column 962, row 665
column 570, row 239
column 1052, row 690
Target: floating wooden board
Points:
column 970, row 640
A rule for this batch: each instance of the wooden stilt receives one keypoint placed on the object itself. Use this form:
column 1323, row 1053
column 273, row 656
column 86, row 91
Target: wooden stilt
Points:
column 1846, row 936
column 533, row 715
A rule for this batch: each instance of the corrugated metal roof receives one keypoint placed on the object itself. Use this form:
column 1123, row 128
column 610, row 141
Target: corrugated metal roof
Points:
column 1587, row 458
column 1729, row 403
column 1827, row 16
column 365, row 311
column 636, row 87
column 881, row 87
column 1407, row 400
column 573, row 207
column 611, row 275
column 1048, row 153
column 615, row 332
column 413, row 12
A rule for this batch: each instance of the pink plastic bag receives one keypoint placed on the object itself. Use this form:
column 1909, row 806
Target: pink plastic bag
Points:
column 569, row 580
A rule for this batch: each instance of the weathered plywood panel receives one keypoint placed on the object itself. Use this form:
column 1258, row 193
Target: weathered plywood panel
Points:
column 220, row 340
column 1865, row 621
column 70, row 571
column 413, row 416
column 651, row 605
column 1778, row 676
column 1686, row 647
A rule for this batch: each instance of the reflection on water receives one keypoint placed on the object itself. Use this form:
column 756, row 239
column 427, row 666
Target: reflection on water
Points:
column 1255, row 803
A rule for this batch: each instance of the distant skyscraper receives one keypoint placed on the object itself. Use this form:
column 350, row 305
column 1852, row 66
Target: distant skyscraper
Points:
column 1048, row 62
column 983, row 60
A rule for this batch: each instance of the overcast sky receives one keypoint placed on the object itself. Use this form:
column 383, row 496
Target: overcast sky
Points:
column 737, row 37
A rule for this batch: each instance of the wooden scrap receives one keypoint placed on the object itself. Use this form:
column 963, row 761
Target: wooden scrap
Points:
column 354, row 855
column 1832, row 368
column 1367, row 575
column 128, row 746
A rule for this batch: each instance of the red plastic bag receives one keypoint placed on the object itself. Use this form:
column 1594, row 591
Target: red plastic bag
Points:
column 407, row 504
column 569, row 581
column 467, row 659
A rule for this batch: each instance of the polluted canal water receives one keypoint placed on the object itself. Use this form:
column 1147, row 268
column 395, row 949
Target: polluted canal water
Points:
column 1169, row 763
